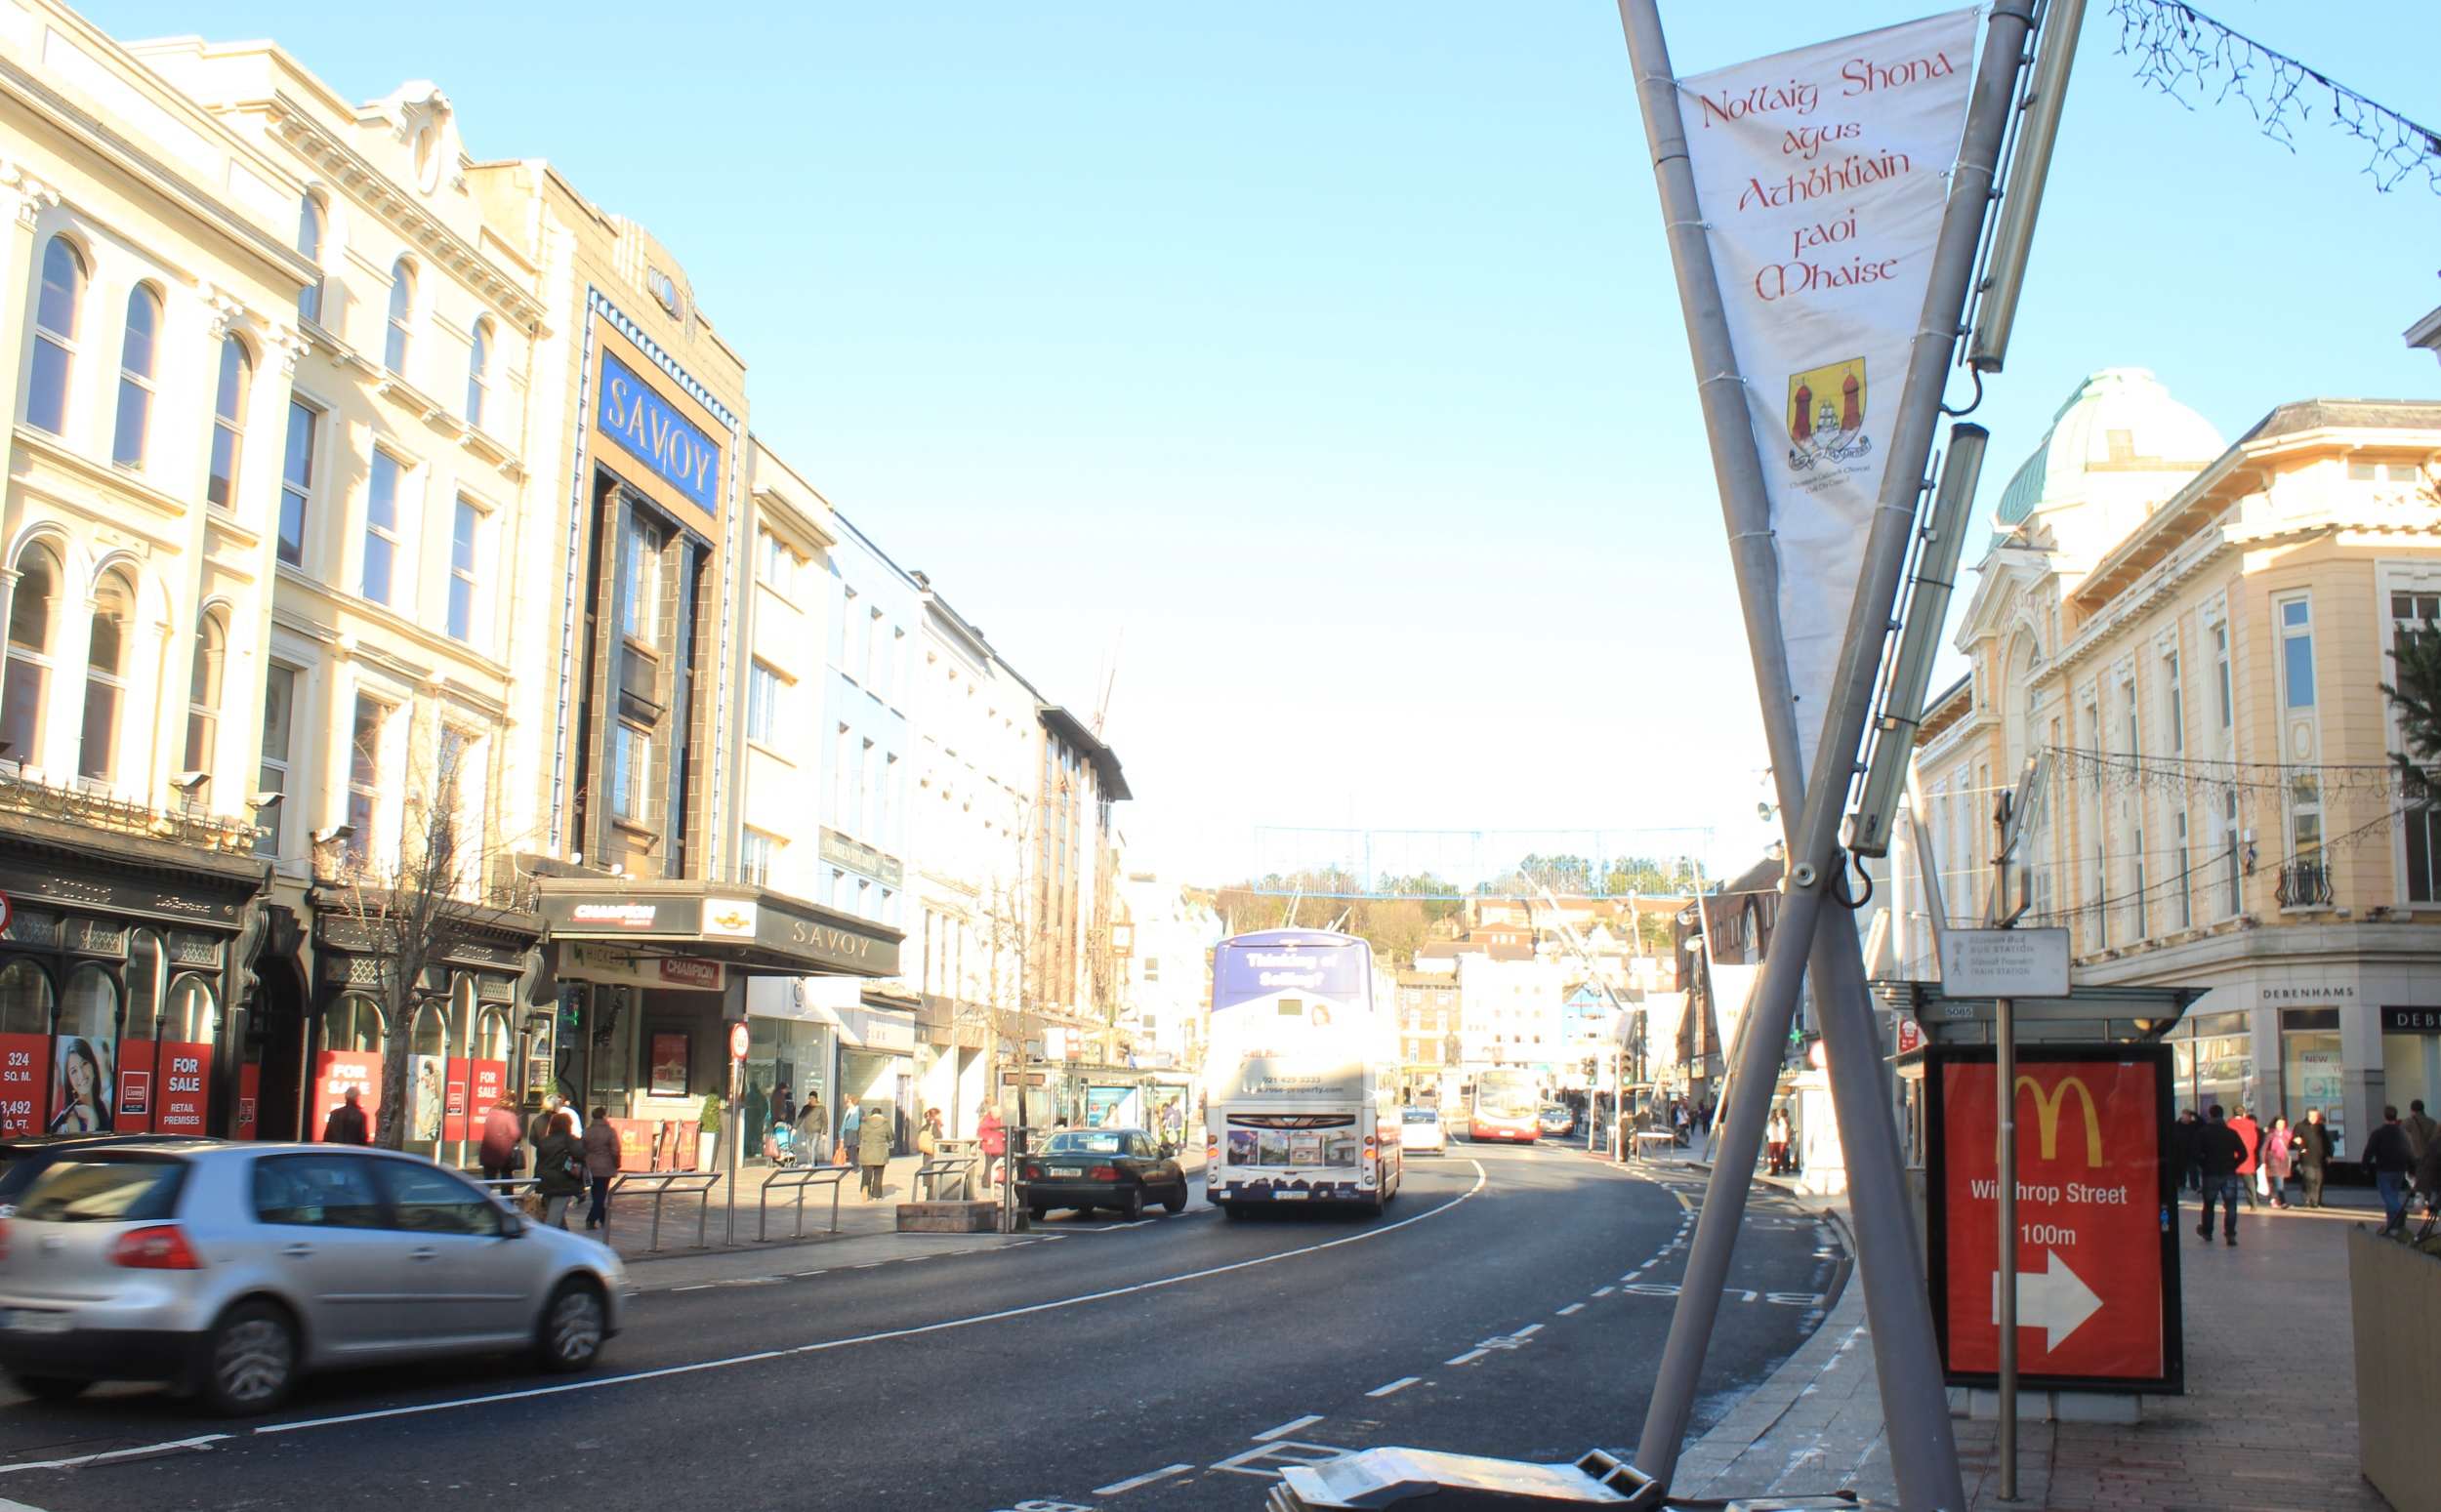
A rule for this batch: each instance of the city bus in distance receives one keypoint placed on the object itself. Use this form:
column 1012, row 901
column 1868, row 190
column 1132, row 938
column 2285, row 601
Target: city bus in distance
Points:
column 1506, row 1106
column 1300, row 1107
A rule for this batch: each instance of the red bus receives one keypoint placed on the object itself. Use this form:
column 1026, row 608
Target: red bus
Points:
column 1506, row 1107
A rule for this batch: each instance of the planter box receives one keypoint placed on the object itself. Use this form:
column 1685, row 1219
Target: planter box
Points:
column 2395, row 1293
column 976, row 1217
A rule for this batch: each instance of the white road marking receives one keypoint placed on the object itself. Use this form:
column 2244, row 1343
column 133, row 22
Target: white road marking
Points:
column 1572, row 1309
column 1468, row 1358
column 80, row 1461
column 1132, row 1482
column 1528, row 1331
column 1401, row 1384
column 727, row 1361
column 1289, row 1428
column 701, row 1286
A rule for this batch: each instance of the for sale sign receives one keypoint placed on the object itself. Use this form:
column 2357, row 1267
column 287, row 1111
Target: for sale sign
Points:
column 2097, row 1282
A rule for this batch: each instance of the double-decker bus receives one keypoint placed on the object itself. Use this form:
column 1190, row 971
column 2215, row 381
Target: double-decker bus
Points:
column 1506, row 1107
column 1301, row 1109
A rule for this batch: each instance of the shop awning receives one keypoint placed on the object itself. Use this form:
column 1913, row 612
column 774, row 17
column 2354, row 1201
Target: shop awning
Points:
column 751, row 930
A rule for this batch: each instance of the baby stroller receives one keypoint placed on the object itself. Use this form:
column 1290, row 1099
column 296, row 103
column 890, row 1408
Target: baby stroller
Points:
column 779, row 1146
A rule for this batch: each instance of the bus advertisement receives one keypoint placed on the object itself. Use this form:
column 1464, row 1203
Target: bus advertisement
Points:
column 1507, row 1104
column 1299, row 1110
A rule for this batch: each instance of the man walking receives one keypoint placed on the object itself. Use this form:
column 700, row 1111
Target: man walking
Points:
column 2184, row 1135
column 2392, row 1162
column 2420, row 1130
column 2313, row 1153
column 2251, row 1134
column 2219, row 1150
column 346, row 1125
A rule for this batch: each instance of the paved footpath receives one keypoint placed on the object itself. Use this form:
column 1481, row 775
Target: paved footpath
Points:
column 2268, row 1423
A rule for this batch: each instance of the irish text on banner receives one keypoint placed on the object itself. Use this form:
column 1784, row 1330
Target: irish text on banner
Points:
column 1822, row 174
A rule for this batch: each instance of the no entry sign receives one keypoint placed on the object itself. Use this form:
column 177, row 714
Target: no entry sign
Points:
column 2098, row 1255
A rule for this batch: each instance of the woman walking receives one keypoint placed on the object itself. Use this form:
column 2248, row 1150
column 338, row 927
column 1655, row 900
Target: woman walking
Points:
column 601, row 1165
column 873, row 1151
column 2279, row 1157
column 560, row 1168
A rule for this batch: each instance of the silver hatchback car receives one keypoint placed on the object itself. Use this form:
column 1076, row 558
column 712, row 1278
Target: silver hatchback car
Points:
column 229, row 1270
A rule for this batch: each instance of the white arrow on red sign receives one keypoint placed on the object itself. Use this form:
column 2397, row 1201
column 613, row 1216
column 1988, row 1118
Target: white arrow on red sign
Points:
column 2056, row 1301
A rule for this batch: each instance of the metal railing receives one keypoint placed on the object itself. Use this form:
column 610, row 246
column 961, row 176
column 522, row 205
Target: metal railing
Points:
column 797, row 1181
column 955, row 1172
column 2304, row 884
column 510, row 1188
column 697, row 1184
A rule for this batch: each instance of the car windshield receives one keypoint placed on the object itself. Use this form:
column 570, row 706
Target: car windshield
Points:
column 1422, row 1115
column 1076, row 1142
column 125, row 1189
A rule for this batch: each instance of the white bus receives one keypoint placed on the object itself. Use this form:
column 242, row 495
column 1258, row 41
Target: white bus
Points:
column 1300, row 1107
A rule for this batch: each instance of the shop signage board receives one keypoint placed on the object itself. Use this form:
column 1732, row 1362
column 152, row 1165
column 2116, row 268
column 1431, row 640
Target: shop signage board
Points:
column 2004, row 963
column 336, row 1071
column 2411, row 1021
column 2097, row 1254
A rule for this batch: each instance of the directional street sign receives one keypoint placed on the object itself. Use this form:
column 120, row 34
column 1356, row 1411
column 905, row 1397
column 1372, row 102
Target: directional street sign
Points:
column 2004, row 963
column 2098, row 1280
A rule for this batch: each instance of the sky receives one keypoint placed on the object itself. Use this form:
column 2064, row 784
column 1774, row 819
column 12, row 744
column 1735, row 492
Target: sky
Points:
column 1310, row 376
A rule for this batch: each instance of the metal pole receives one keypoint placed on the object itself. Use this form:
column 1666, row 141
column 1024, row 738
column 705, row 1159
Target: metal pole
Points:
column 1914, row 1407
column 732, row 1127
column 2005, row 1076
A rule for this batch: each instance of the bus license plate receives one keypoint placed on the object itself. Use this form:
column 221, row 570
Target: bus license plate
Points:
column 31, row 1321
column 1067, row 1171
column 1288, row 1196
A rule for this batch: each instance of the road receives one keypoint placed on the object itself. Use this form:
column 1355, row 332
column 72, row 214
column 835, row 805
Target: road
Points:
column 1511, row 1303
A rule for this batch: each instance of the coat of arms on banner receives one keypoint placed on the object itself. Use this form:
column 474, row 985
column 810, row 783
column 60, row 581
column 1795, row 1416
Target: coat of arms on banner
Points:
column 1827, row 414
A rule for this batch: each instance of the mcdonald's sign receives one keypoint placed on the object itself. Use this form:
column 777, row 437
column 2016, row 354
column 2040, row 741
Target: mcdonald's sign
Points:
column 2096, row 1258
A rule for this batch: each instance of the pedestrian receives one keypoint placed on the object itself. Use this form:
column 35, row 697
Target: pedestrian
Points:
column 2429, row 1182
column 928, row 1137
column 2220, row 1151
column 601, row 1165
column 783, row 1106
column 537, row 1127
column 347, row 1124
column 992, row 1137
column 810, row 1130
column 2251, row 1134
column 2393, row 1163
column 560, row 1168
column 500, row 1155
column 852, row 1128
column 873, row 1150
column 2184, row 1135
column 2419, row 1128
column 1776, row 1140
column 2279, row 1159
column 2314, row 1150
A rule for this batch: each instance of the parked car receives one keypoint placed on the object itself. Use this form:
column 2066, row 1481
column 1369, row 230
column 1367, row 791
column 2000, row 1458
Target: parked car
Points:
column 1557, row 1120
column 29, row 1156
column 1116, row 1168
column 1420, row 1132
column 229, row 1270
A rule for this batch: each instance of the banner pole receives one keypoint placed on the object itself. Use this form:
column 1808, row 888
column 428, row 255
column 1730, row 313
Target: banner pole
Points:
column 1914, row 1404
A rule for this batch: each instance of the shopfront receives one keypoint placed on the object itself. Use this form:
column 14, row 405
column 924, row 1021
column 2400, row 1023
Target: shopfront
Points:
column 2411, row 1050
column 876, row 1065
column 118, row 966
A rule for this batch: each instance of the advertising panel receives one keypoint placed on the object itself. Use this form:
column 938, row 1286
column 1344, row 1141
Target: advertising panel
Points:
column 2098, row 1281
column 336, row 1071
column 454, row 1123
column 180, row 1087
column 24, row 1071
column 80, row 1086
column 134, row 1114
column 424, row 1099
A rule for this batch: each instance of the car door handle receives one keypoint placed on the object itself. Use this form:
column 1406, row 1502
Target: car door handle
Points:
column 297, row 1251
column 422, row 1253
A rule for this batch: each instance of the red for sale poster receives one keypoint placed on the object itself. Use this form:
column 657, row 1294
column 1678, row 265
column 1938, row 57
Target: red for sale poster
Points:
column 2092, row 1282
column 453, row 1119
column 133, row 1113
column 487, row 1081
column 24, row 1082
column 243, row 1125
column 182, row 1082
column 336, row 1071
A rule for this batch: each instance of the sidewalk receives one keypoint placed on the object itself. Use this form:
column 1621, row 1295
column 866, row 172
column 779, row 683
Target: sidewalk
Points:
column 2268, row 1423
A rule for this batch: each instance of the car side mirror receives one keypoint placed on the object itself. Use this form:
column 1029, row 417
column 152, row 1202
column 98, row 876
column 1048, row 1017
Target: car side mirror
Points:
column 511, row 1225
column 1169, row 1151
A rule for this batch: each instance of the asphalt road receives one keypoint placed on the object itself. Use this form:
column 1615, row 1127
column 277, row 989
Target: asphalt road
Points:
column 1511, row 1303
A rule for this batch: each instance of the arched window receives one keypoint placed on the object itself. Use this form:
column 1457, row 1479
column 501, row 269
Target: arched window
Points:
column 352, row 1023
column 88, row 1021
column 478, row 373
column 33, row 615
column 55, row 335
column 203, row 693
column 25, row 999
column 309, row 243
column 137, row 352
column 401, row 308
column 194, row 1013
column 491, row 1035
column 229, row 421
column 144, row 985
column 105, row 676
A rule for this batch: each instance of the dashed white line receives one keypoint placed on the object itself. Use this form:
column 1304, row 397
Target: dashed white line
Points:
column 80, row 1461
column 701, row 1286
column 1572, row 1309
column 1289, row 1428
column 1606, row 1290
column 1146, row 1478
column 1468, row 1358
column 1401, row 1384
column 1528, row 1331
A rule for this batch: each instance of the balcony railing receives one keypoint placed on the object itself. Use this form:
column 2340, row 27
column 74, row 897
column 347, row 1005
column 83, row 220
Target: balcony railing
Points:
column 94, row 808
column 2304, row 884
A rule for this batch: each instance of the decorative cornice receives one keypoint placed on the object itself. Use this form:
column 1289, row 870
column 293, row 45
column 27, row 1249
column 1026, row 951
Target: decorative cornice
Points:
column 31, row 194
column 296, row 124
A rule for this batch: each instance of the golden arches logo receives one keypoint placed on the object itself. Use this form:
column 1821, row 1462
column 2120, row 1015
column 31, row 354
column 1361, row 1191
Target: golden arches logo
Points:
column 2047, row 1108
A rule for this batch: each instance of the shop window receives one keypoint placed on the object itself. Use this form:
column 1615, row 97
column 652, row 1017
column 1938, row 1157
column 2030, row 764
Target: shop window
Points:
column 401, row 315
column 105, row 676
column 296, row 485
column 25, row 999
column 310, row 234
column 55, row 335
column 32, row 618
column 229, row 423
column 354, row 1024
column 192, row 1015
column 203, row 692
column 139, row 349
column 2310, row 1068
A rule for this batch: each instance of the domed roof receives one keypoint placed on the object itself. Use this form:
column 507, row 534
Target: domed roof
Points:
column 2120, row 420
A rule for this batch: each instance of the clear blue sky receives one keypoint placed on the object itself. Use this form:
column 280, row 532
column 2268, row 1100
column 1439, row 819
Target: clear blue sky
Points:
column 1323, row 359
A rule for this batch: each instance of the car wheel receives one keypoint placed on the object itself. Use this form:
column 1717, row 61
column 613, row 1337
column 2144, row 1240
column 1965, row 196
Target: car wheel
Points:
column 572, row 1328
column 1132, row 1206
column 50, row 1388
column 251, row 1359
column 1176, row 1204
